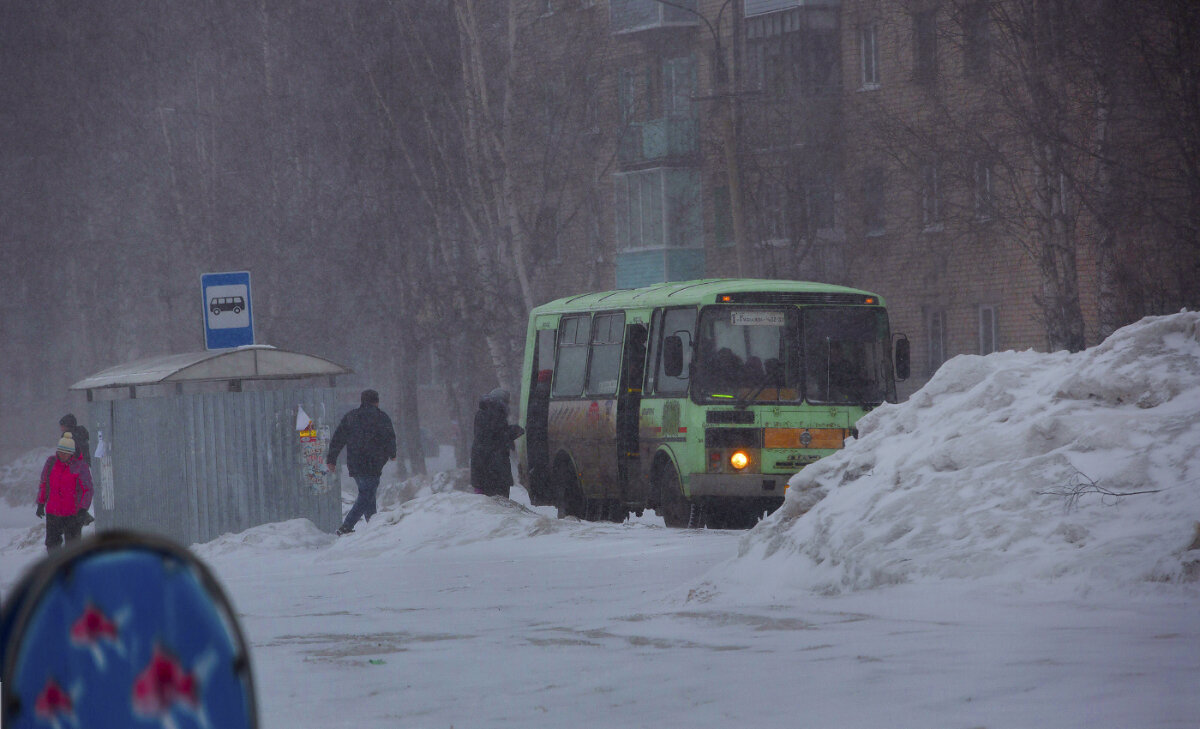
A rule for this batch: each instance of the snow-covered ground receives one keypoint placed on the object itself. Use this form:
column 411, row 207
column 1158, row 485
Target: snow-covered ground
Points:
column 1013, row 547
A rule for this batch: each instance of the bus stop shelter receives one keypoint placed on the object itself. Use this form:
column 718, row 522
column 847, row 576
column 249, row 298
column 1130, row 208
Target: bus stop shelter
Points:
column 192, row 446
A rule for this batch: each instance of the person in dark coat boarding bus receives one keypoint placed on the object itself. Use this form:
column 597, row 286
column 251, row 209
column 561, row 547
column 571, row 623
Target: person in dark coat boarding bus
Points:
column 64, row 494
column 367, row 434
column 491, row 471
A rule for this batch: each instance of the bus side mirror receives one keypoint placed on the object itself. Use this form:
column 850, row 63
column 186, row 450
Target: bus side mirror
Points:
column 672, row 356
column 903, row 357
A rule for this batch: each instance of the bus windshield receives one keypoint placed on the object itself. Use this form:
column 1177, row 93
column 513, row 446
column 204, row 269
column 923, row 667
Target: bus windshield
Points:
column 783, row 354
column 847, row 356
column 748, row 354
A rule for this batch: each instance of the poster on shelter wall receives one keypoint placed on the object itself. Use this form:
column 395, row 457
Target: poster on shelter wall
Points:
column 104, row 473
column 314, row 443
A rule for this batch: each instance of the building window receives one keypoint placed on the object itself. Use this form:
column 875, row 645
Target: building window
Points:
column 931, row 203
column 869, row 53
column 981, row 183
column 977, row 38
column 678, row 86
column 937, row 339
column 627, row 16
column 987, row 329
column 873, row 201
column 925, row 46
column 639, row 208
column 793, row 52
column 658, row 208
column 630, row 94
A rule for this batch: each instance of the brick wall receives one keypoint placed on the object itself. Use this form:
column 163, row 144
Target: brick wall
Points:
column 955, row 268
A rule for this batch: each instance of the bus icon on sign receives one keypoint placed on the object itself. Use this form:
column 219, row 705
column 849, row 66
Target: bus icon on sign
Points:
column 228, row 309
column 217, row 304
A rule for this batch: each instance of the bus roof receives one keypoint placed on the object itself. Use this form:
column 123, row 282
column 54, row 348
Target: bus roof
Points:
column 702, row 291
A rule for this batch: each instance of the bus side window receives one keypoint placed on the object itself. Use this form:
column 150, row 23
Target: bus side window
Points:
column 681, row 323
column 605, row 361
column 653, row 352
column 545, row 359
column 571, row 357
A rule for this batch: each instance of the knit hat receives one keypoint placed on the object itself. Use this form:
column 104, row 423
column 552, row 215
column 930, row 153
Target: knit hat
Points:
column 498, row 395
column 66, row 444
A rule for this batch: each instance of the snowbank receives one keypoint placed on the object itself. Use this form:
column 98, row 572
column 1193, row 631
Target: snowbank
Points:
column 1078, row 468
column 429, row 520
column 19, row 479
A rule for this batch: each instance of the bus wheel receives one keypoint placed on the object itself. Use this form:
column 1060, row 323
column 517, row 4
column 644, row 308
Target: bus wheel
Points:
column 570, row 500
column 675, row 510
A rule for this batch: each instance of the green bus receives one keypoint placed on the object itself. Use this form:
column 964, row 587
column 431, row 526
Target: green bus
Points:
column 698, row 399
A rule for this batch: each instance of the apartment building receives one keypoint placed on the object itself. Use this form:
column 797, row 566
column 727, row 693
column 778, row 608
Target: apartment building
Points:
column 871, row 143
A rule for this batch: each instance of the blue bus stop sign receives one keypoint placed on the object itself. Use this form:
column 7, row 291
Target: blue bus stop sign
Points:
column 227, row 317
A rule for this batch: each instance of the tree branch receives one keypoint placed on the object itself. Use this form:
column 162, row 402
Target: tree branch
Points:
column 1080, row 484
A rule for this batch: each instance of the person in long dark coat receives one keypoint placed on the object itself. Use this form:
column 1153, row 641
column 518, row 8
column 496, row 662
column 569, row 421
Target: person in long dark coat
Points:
column 491, row 471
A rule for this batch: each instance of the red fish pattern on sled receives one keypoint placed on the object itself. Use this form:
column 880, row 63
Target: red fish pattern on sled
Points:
column 123, row 630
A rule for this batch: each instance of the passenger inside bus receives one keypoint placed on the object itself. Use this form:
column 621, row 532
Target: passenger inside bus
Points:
column 846, row 375
column 727, row 368
column 755, row 375
column 774, row 372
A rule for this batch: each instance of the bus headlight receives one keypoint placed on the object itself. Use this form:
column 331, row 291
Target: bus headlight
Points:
column 739, row 460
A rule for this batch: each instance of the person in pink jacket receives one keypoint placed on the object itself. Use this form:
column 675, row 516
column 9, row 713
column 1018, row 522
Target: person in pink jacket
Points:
column 64, row 494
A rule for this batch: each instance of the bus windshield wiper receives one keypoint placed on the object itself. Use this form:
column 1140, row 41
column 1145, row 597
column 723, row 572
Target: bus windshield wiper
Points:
column 742, row 404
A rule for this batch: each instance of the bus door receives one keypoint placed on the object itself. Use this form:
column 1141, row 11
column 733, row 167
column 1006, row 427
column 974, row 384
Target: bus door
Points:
column 659, row 424
column 629, row 403
column 537, row 414
column 597, row 455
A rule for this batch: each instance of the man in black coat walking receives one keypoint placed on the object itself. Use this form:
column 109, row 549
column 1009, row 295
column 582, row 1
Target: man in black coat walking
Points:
column 491, row 471
column 370, row 441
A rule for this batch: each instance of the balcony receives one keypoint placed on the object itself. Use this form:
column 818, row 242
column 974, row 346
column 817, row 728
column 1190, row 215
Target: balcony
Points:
column 631, row 16
column 657, row 139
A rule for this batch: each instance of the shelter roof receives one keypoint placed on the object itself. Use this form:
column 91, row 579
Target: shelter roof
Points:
column 253, row 362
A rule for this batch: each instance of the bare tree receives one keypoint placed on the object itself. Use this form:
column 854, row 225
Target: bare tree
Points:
column 1062, row 125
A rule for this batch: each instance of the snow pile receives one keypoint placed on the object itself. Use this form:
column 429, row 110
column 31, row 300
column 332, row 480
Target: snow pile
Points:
column 434, row 510
column 19, row 479
column 287, row 536
column 453, row 518
column 395, row 492
column 1078, row 468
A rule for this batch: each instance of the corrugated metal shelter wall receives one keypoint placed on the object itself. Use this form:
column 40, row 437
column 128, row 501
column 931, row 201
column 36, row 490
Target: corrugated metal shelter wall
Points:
column 195, row 466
